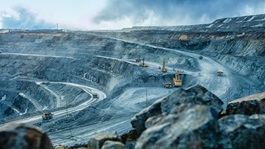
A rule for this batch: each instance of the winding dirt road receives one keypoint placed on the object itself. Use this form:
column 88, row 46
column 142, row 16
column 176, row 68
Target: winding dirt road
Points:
column 59, row 113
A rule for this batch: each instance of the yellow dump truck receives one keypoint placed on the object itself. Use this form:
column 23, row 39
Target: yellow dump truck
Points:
column 177, row 81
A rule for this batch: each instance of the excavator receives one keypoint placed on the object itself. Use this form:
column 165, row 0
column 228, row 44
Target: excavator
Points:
column 143, row 64
column 164, row 69
column 177, row 81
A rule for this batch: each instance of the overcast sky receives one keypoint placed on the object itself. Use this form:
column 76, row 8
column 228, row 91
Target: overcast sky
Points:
column 117, row 14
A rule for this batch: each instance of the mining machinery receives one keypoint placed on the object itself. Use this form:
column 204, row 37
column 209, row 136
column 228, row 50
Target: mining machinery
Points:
column 219, row 73
column 167, row 85
column 143, row 64
column 46, row 115
column 177, row 81
column 164, row 69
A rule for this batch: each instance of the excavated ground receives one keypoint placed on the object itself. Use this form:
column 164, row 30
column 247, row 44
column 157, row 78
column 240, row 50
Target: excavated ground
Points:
column 92, row 84
column 32, row 61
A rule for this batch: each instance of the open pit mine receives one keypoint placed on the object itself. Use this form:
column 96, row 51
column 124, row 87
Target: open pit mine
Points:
column 172, row 87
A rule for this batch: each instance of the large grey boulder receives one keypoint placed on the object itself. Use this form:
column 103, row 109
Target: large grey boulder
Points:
column 113, row 145
column 241, row 131
column 59, row 147
column 138, row 121
column 96, row 142
column 253, row 104
column 176, row 102
column 196, row 95
column 129, row 139
column 23, row 136
column 195, row 127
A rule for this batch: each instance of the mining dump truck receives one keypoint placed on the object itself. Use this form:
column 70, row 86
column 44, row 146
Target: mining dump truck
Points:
column 177, row 81
column 219, row 73
column 143, row 64
column 167, row 85
column 95, row 95
column 46, row 115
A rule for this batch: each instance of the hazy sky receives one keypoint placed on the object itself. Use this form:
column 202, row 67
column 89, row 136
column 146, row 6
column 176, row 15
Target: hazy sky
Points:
column 117, row 14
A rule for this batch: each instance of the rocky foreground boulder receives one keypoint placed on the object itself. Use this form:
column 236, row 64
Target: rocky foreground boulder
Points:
column 98, row 141
column 22, row 136
column 196, row 127
column 176, row 102
column 242, row 131
column 189, row 119
column 197, row 95
column 253, row 104
column 139, row 119
column 113, row 145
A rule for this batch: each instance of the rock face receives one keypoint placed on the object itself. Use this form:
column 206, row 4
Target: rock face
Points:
column 132, row 135
column 253, row 104
column 97, row 141
column 196, row 127
column 197, row 95
column 241, row 131
column 113, row 145
column 22, row 136
column 176, row 102
column 139, row 119
column 189, row 119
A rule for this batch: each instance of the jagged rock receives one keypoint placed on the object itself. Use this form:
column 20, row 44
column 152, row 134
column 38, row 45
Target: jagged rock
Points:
column 129, row 139
column 78, row 146
column 132, row 135
column 241, row 131
column 113, row 145
column 139, row 119
column 253, row 104
column 60, row 147
column 160, row 119
column 124, row 138
column 130, row 145
column 196, row 95
column 97, row 141
column 177, row 102
column 22, row 136
column 195, row 127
